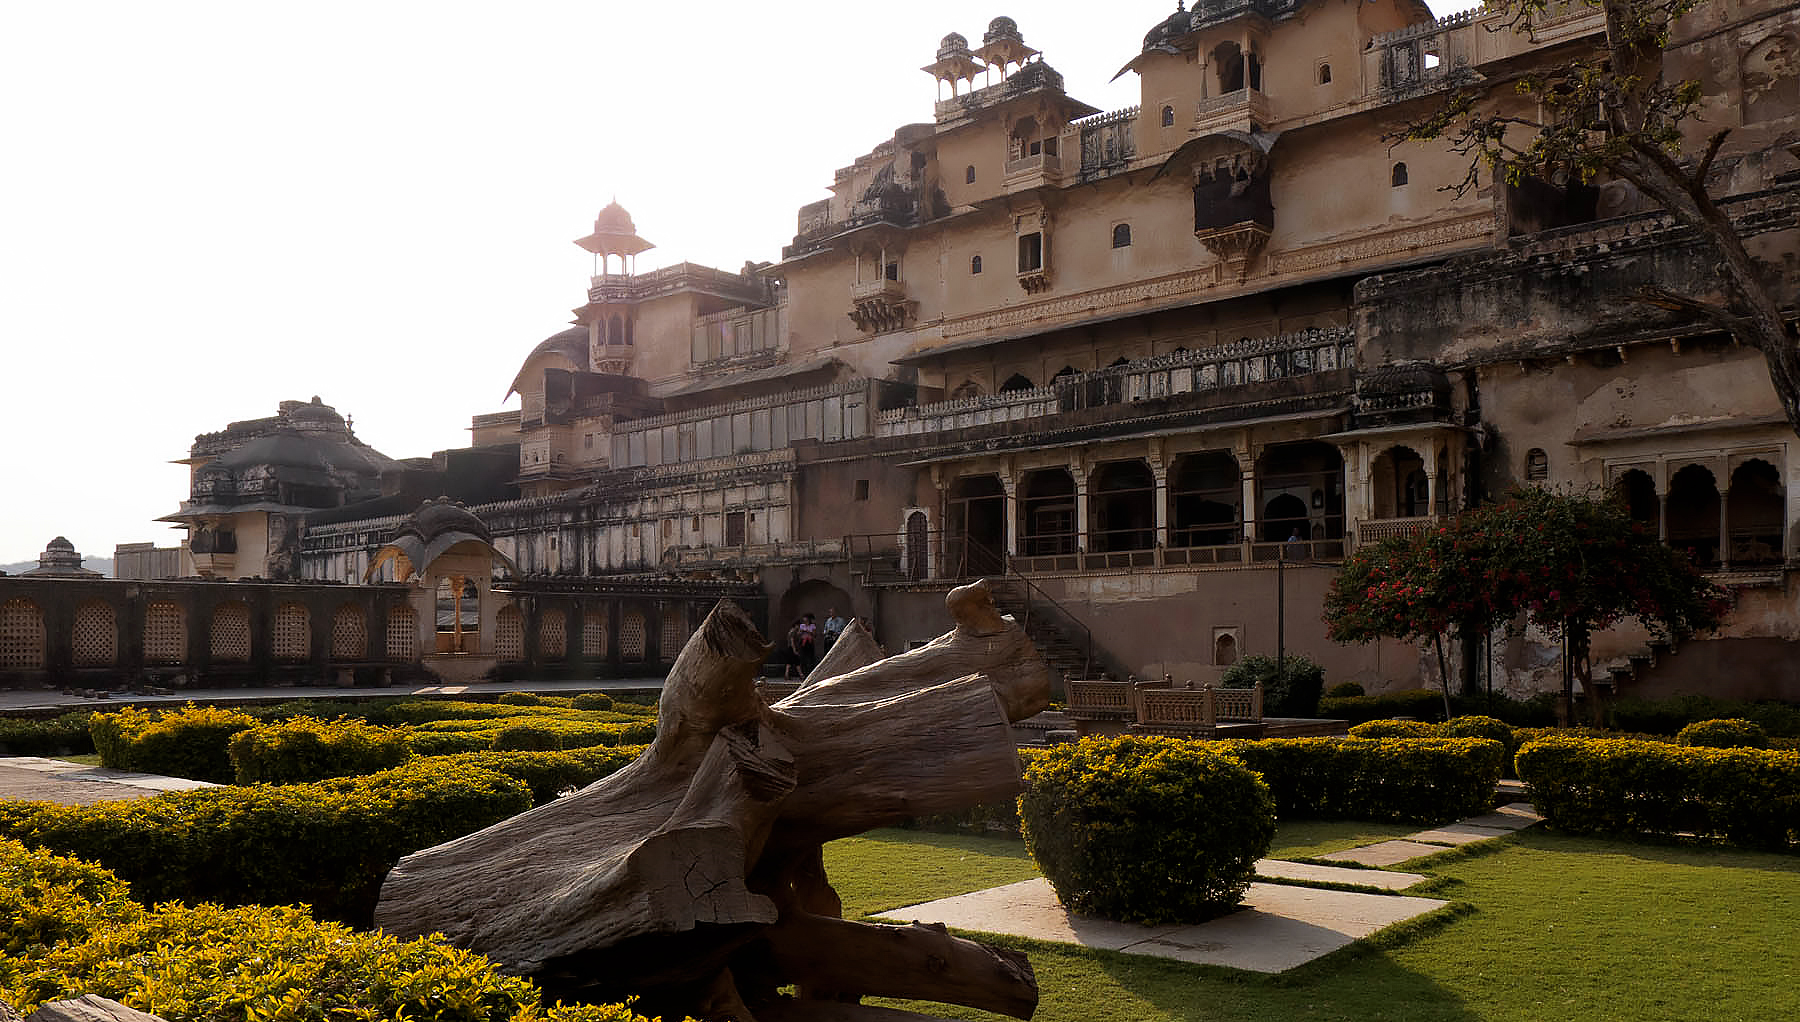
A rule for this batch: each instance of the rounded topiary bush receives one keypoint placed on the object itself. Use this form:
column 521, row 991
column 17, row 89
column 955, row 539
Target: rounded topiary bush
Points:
column 593, row 701
column 530, row 736
column 1396, row 729
column 1291, row 686
column 308, row 749
column 1724, row 734
column 522, row 699
column 1146, row 830
column 1344, row 689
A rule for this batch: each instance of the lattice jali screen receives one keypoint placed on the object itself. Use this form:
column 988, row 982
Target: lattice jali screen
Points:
column 509, row 635
column 21, row 635
column 593, row 632
column 674, row 630
column 402, row 634
column 96, row 638
column 165, row 633
column 293, row 632
column 553, row 635
column 632, row 635
column 230, row 633
column 349, row 634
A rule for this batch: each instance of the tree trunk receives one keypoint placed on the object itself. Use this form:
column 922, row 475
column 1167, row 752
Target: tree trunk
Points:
column 694, row 877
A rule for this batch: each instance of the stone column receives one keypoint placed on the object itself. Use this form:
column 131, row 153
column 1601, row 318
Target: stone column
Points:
column 1010, row 485
column 1081, row 512
column 1247, row 466
column 1725, row 527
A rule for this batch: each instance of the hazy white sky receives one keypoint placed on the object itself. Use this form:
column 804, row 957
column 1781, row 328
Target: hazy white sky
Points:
column 206, row 208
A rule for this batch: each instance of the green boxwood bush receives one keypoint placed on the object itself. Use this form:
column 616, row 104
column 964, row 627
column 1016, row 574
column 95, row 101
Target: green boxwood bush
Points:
column 1423, row 703
column 1408, row 780
column 545, row 773
column 1146, row 830
column 1291, row 691
column 1724, row 734
column 308, row 749
column 592, row 701
column 1669, row 716
column 66, row 735
column 1455, row 727
column 1343, row 689
column 75, row 931
column 522, row 699
column 191, row 742
column 327, row 844
column 1396, row 729
column 1749, row 797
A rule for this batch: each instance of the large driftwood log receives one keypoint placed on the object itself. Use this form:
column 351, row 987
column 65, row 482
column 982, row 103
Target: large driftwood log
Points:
column 694, row 877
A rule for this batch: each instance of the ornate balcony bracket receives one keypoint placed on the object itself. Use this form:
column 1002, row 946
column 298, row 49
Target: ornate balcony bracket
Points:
column 1237, row 245
column 880, row 306
column 1035, row 281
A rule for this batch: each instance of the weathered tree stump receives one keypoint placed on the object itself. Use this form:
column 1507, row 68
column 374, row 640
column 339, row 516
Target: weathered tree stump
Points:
column 694, row 877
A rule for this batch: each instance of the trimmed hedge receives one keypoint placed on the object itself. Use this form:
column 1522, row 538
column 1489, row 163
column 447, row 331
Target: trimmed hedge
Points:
column 1455, row 727
column 1423, row 703
column 545, row 773
column 1291, row 684
column 76, row 931
column 66, row 735
column 308, row 749
column 1750, row 797
column 191, row 742
column 1724, row 734
column 327, row 844
column 1669, row 716
column 425, row 711
column 1146, row 830
column 1406, row 780
column 592, row 701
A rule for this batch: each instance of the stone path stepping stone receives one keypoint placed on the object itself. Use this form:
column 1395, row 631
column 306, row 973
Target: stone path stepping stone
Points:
column 1310, row 873
column 1384, row 853
column 1458, row 834
column 1280, row 927
column 55, row 780
column 1516, row 816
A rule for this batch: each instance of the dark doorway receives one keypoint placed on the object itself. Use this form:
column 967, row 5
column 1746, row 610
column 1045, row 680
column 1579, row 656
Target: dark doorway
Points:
column 1124, row 507
column 1694, row 515
column 918, row 545
column 976, row 526
column 1047, row 513
column 1204, row 493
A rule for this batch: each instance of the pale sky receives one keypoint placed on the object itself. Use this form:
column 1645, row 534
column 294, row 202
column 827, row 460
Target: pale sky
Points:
column 207, row 208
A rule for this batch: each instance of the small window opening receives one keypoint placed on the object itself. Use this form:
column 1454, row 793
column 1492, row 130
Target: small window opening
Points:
column 1122, row 236
column 974, row 264
column 1324, row 74
column 1168, row 116
column 1431, row 60
column 1399, row 174
column 1036, row 148
column 862, row 489
column 892, row 272
column 696, row 523
column 1031, row 252
column 1537, row 465
column 969, row 174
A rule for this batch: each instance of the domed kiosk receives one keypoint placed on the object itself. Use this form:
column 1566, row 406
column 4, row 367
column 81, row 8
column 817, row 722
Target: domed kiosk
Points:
column 447, row 553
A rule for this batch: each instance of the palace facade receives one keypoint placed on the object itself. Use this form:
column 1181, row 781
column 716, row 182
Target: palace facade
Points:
column 1158, row 369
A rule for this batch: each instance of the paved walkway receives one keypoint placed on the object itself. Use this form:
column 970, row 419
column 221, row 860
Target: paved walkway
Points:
column 14, row 700
column 74, row 784
column 1282, row 925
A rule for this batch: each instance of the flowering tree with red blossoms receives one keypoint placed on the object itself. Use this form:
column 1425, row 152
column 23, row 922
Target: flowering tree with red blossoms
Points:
column 1570, row 564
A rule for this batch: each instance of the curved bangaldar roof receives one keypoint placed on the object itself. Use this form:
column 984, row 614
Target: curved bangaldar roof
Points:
column 571, row 344
column 437, row 527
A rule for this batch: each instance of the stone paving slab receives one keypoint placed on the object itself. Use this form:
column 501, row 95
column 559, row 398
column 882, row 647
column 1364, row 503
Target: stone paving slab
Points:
column 53, row 780
column 1384, row 853
column 1281, row 926
column 1310, row 873
column 1457, row 834
column 1515, row 816
column 15, row 700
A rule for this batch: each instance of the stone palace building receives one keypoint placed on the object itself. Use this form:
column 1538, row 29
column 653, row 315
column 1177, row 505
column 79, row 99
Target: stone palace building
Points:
column 1154, row 370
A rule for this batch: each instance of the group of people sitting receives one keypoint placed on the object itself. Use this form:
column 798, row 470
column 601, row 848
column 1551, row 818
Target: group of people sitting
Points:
column 809, row 640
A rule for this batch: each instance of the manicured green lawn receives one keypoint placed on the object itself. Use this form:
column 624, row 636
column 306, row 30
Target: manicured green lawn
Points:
column 87, row 759
column 1296, row 839
column 1553, row 928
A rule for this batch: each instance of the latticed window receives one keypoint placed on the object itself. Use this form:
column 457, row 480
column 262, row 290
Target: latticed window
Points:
column 402, row 634
column 21, row 635
column 631, row 635
column 593, row 632
column 509, row 635
column 165, row 633
column 230, row 636
column 293, row 632
column 96, row 638
column 553, row 633
column 349, row 633
column 674, row 630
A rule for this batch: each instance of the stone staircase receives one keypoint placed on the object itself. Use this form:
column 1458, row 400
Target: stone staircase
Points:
column 1071, row 653
column 1633, row 667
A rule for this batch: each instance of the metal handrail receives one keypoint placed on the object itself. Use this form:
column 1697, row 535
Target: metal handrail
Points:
column 1007, row 571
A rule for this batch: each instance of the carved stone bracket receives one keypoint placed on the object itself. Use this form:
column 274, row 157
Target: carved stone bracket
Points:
column 882, row 313
column 1035, row 281
column 1237, row 245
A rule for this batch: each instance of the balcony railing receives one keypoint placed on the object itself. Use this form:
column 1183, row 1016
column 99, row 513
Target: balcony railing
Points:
column 1226, row 365
column 1374, row 530
column 1238, row 109
column 1159, row 706
column 1032, row 171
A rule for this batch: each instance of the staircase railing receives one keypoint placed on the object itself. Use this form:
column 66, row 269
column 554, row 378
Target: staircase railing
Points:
column 1036, row 599
column 954, row 557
